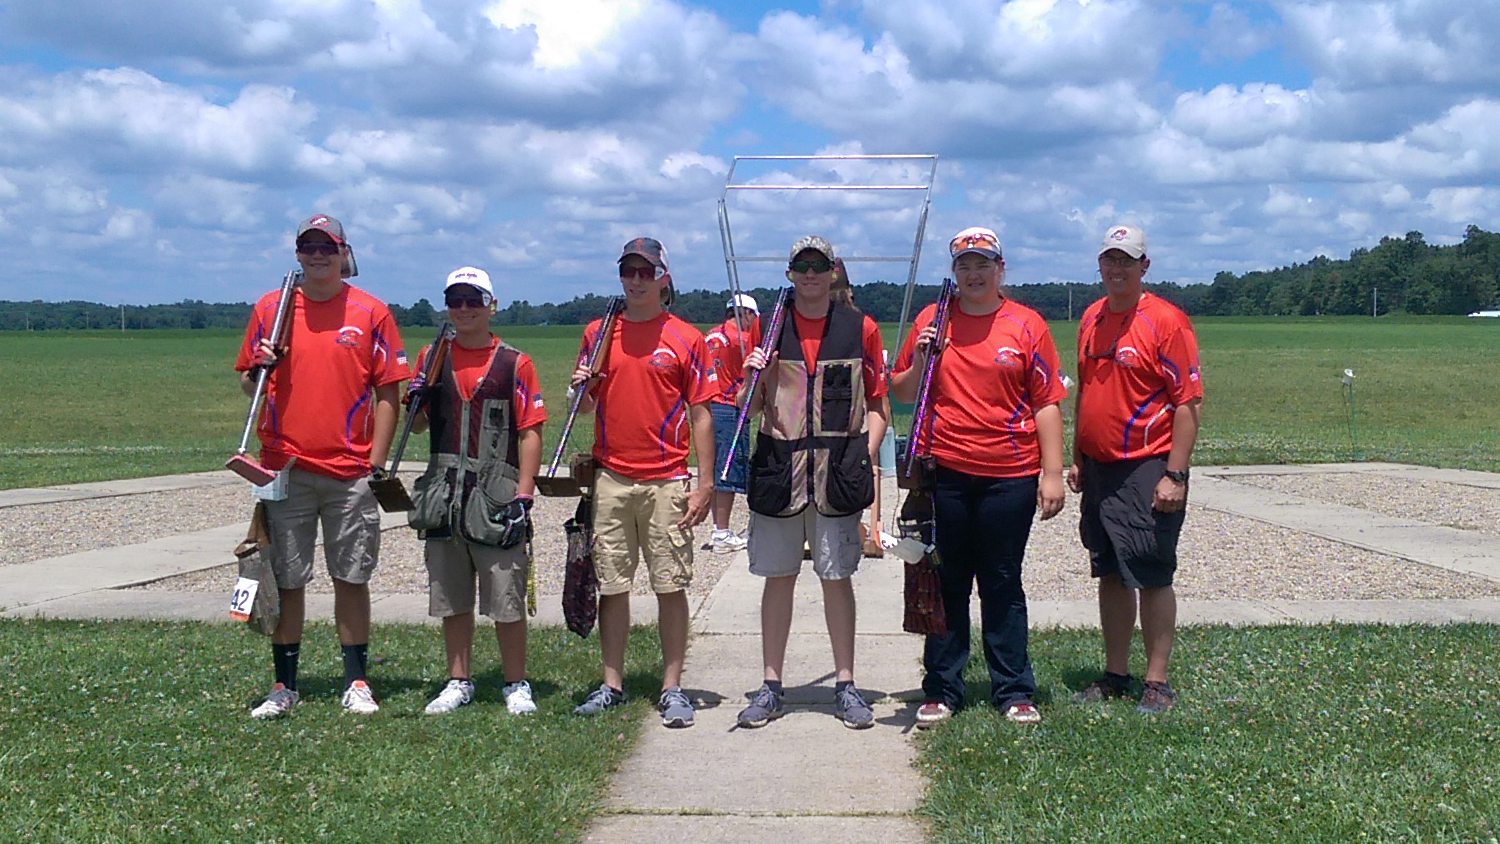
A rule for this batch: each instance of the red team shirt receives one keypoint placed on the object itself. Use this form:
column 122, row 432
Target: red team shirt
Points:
column 810, row 333
column 655, row 371
column 320, row 398
column 469, row 365
column 996, row 372
column 729, row 363
column 1134, row 369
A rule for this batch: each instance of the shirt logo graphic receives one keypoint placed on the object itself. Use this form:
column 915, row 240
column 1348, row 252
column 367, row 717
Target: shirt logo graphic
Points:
column 349, row 335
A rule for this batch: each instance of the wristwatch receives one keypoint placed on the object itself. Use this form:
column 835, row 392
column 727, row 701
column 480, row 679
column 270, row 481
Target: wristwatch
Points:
column 1177, row 476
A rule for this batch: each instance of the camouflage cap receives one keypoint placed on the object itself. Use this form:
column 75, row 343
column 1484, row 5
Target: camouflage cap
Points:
column 815, row 243
column 648, row 248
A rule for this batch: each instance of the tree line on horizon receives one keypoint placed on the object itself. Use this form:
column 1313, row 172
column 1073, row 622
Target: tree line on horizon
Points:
column 1404, row 275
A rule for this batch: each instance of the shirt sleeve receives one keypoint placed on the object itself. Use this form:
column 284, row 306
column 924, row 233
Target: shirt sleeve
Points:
column 1045, row 383
column 873, row 363
column 253, row 331
column 391, row 367
column 699, row 383
column 530, row 410
column 909, row 342
column 1179, row 362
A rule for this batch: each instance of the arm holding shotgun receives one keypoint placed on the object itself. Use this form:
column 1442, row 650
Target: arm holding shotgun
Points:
column 432, row 370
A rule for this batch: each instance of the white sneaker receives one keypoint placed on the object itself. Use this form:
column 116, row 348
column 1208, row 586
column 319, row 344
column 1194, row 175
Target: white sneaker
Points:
column 457, row 693
column 727, row 542
column 278, row 703
column 518, row 698
column 359, row 699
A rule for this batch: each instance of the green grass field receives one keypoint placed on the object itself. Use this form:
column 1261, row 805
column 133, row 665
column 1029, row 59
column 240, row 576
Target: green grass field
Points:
column 86, row 406
column 1333, row 734
column 138, row 732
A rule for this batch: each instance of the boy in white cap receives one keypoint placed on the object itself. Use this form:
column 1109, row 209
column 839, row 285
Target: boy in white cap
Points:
column 473, row 504
column 727, row 346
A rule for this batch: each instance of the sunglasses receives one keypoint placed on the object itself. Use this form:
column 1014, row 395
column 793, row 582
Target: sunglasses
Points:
column 973, row 241
column 1120, row 261
column 467, row 300
column 639, row 272
column 820, row 266
column 317, row 247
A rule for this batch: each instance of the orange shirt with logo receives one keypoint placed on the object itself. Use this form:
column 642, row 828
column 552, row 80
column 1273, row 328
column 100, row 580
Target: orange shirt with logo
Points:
column 1134, row 369
column 320, row 398
column 997, row 370
column 469, row 365
column 654, row 372
column 728, row 360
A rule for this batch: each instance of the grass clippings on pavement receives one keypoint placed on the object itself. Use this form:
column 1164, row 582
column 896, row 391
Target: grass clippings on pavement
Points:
column 139, row 731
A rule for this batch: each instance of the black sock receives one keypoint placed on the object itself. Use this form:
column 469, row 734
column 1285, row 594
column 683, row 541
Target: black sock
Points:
column 774, row 685
column 284, row 660
column 838, row 688
column 354, row 663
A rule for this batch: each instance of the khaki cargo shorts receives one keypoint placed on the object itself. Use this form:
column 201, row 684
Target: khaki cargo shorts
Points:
column 632, row 518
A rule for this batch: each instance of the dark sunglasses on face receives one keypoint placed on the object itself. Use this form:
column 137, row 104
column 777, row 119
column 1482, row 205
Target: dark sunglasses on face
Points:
column 819, row 266
column 638, row 272
column 318, row 247
column 467, row 300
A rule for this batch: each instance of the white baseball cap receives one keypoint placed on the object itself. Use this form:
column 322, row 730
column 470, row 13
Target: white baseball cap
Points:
column 471, row 276
column 1127, row 239
column 744, row 300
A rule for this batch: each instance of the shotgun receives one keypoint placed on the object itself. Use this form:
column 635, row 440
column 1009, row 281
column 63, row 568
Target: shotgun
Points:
column 550, row 483
column 242, row 463
column 383, row 482
column 770, row 341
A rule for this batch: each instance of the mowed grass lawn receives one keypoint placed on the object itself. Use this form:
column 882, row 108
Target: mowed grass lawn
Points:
column 100, row 405
column 139, row 732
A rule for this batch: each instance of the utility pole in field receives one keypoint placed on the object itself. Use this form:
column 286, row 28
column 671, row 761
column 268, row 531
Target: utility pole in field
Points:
column 1375, row 301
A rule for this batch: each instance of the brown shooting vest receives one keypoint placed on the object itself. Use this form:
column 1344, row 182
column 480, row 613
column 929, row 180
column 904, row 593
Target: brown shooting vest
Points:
column 474, row 465
column 812, row 447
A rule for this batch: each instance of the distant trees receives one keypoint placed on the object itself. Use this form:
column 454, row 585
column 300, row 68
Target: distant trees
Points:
column 1399, row 275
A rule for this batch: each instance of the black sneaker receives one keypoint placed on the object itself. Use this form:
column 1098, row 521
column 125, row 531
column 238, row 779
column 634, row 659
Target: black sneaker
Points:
column 1156, row 699
column 1106, row 687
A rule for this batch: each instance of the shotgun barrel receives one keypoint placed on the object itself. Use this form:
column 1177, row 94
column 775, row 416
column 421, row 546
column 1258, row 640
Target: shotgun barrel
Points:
column 770, row 339
column 921, row 415
column 595, row 362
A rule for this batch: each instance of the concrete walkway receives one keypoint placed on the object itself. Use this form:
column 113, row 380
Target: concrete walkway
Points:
column 715, row 782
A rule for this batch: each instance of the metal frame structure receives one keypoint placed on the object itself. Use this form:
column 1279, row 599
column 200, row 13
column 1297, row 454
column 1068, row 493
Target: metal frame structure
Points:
column 732, row 261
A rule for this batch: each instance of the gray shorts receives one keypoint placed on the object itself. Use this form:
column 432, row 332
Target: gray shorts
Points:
column 776, row 544
column 351, row 529
column 456, row 566
column 1124, row 535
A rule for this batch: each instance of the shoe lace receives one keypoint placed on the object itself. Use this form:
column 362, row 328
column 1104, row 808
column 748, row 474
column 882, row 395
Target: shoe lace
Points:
column 850, row 698
column 674, row 697
column 765, row 699
column 600, row 696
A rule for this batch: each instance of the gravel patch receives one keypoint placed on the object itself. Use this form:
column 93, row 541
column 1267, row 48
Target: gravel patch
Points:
column 1222, row 556
column 40, row 531
column 1433, row 502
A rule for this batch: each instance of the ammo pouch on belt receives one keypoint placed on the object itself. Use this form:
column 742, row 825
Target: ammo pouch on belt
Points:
column 432, row 493
column 483, row 520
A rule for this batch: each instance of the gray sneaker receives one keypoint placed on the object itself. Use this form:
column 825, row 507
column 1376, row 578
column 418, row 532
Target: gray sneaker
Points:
column 599, row 700
column 675, row 708
column 850, row 707
column 764, row 708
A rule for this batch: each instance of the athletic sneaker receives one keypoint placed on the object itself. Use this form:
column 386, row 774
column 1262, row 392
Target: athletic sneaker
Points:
column 278, row 702
column 359, row 699
column 1156, row 699
column 1104, row 688
column 932, row 713
column 850, row 707
column 727, row 542
column 1023, row 712
column 518, row 698
column 457, row 693
column 675, row 708
column 764, row 708
column 599, row 700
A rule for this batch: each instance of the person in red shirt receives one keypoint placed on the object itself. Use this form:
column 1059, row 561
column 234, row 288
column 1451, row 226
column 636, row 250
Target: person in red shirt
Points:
column 1137, row 421
column 331, row 406
column 812, row 473
column 650, row 403
column 996, row 437
column 727, row 346
column 474, row 501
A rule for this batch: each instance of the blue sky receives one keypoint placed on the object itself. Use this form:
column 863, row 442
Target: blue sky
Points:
column 161, row 150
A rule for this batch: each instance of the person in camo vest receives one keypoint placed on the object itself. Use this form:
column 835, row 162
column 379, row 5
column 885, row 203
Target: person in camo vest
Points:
column 486, row 412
